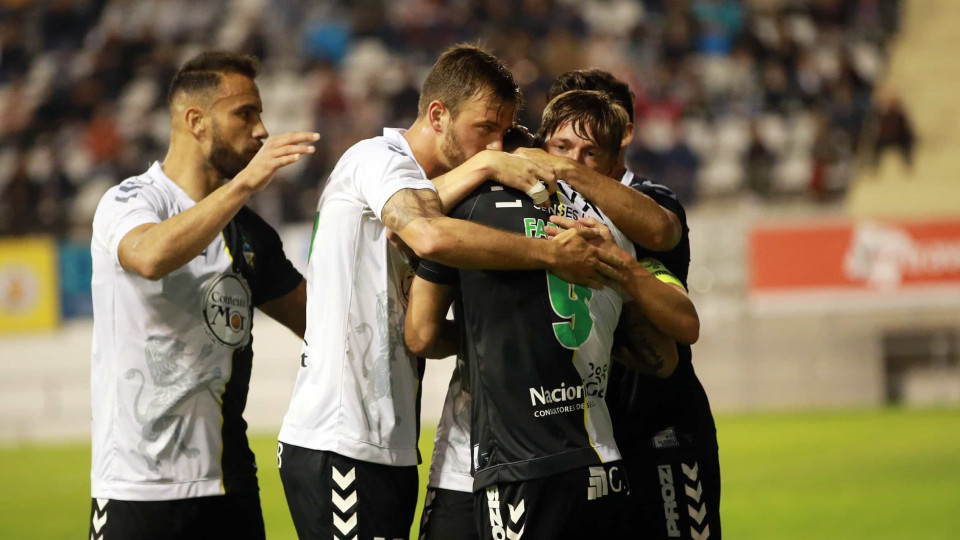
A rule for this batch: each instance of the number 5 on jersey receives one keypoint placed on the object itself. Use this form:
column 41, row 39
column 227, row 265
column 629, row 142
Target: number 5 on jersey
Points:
column 570, row 302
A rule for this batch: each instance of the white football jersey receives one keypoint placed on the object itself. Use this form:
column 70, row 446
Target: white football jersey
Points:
column 357, row 391
column 171, row 358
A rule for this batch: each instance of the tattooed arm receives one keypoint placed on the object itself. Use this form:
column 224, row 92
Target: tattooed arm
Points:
column 416, row 216
column 641, row 347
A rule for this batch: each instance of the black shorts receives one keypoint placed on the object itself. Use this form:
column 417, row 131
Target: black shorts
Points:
column 676, row 494
column 448, row 515
column 582, row 503
column 221, row 516
column 335, row 497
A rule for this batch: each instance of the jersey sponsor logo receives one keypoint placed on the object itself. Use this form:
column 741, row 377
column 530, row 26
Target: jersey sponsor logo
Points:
column 573, row 395
column 669, row 494
column 543, row 396
column 227, row 310
column 603, row 481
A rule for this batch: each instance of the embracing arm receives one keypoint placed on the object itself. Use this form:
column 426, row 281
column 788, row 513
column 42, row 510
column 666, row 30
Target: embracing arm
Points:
column 426, row 330
column 290, row 309
column 415, row 215
column 513, row 170
column 665, row 305
column 639, row 217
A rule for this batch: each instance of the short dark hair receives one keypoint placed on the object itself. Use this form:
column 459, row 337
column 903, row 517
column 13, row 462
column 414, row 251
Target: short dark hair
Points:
column 203, row 72
column 462, row 72
column 593, row 79
column 594, row 116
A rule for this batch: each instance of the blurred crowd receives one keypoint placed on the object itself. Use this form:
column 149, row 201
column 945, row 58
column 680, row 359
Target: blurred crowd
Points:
column 766, row 97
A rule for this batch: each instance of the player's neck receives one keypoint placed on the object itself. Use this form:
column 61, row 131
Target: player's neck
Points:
column 423, row 141
column 185, row 166
column 619, row 169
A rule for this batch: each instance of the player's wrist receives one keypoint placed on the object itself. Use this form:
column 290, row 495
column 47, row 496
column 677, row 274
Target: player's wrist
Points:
column 240, row 185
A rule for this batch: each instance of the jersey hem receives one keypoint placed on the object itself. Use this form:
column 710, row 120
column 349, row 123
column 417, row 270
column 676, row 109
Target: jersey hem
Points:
column 543, row 467
column 451, row 481
column 359, row 450
column 138, row 491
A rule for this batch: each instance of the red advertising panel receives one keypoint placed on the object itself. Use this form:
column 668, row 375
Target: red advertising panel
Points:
column 855, row 259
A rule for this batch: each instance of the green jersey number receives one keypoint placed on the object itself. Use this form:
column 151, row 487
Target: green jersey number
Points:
column 571, row 302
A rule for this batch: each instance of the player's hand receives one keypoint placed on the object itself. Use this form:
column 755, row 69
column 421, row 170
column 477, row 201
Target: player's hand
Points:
column 518, row 171
column 585, row 264
column 602, row 237
column 276, row 152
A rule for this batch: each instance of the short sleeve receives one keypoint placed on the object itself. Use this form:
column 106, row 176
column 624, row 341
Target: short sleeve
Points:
column 385, row 173
column 125, row 207
column 440, row 274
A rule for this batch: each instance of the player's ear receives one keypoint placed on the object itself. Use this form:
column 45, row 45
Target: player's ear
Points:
column 435, row 115
column 627, row 135
column 196, row 122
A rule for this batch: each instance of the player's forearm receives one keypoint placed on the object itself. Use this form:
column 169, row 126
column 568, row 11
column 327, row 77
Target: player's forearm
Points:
column 445, row 343
column 463, row 244
column 643, row 348
column 667, row 308
column 639, row 217
column 430, row 335
column 455, row 185
column 290, row 309
column 170, row 244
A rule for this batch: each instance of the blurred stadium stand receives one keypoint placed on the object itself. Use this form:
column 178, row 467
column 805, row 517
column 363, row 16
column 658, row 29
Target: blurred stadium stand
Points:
column 765, row 116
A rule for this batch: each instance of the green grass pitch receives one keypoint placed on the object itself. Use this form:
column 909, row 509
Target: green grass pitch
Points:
column 877, row 475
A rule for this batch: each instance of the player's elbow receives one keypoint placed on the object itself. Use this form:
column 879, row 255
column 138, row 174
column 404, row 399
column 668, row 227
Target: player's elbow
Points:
column 431, row 241
column 419, row 340
column 147, row 267
column 689, row 329
column 665, row 236
column 670, row 360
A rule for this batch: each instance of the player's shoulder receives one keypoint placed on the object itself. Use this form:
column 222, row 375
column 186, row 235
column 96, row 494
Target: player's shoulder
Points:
column 663, row 195
column 143, row 187
column 377, row 152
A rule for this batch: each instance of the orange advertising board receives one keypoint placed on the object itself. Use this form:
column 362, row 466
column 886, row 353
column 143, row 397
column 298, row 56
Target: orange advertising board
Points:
column 870, row 257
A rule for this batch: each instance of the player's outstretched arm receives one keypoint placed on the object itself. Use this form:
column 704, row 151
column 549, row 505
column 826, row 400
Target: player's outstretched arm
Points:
column 642, row 347
column 290, row 309
column 664, row 302
column 513, row 170
column 426, row 330
column 153, row 250
column 416, row 216
column 639, row 217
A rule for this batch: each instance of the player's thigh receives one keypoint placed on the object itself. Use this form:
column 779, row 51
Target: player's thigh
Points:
column 675, row 494
column 582, row 503
column 448, row 515
column 225, row 516
column 329, row 494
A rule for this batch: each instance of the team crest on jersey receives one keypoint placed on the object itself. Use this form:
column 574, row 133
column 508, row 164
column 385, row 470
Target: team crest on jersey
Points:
column 248, row 254
column 227, row 310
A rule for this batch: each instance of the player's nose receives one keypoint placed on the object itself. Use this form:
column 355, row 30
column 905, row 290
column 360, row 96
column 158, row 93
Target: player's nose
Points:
column 260, row 131
column 496, row 144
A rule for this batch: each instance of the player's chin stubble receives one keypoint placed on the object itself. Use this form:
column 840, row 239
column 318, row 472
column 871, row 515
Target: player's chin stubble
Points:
column 451, row 149
column 224, row 159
